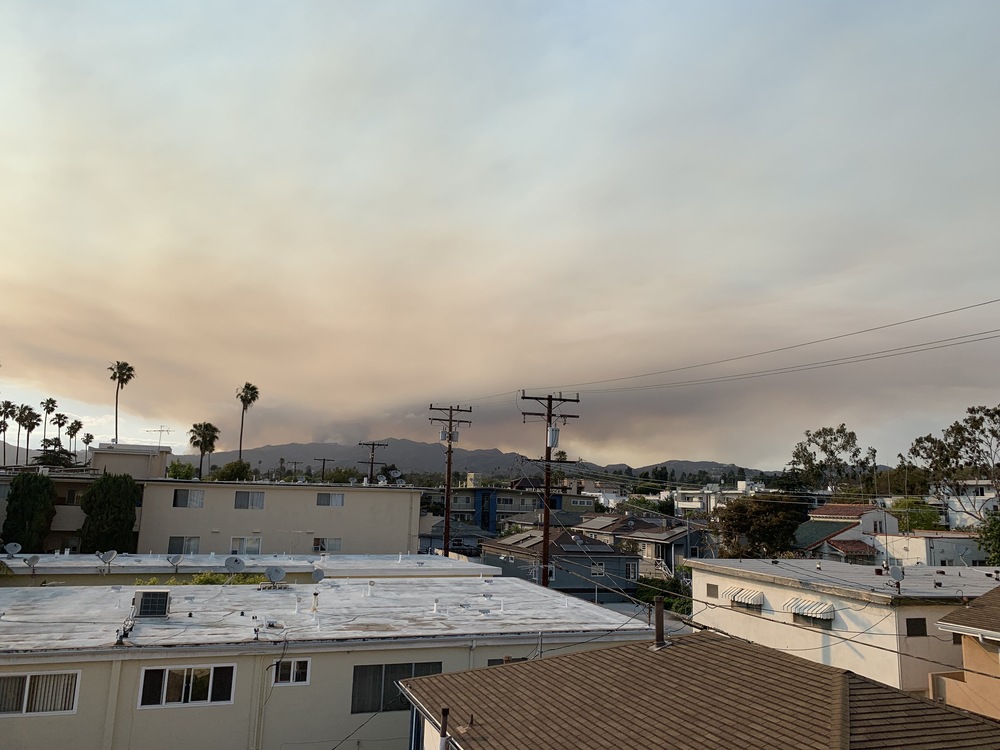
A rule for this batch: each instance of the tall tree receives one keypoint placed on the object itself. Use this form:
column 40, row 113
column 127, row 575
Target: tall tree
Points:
column 831, row 458
column 110, row 504
column 247, row 395
column 49, row 405
column 19, row 417
column 122, row 373
column 203, row 436
column 8, row 411
column 60, row 421
column 72, row 430
column 31, row 421
column 31, row 506
column 87, row 439
column 746, row 527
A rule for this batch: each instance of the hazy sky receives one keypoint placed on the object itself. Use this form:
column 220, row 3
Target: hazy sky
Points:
column 366, row 207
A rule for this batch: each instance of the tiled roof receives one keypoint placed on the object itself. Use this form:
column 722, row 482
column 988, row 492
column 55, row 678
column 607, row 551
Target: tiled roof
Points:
column 841, row 510
column 853, row 547
column 703, row 691
column 812, row 533
column 982, row 614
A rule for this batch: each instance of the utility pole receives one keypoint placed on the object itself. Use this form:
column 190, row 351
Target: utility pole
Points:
column 295, row 466
column 371, row 458
column 450, row 435
column 551, row 403
column 322, row 463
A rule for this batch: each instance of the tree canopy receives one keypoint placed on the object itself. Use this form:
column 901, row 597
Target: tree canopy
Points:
column 110, row 504
column 831, row 458
column 31, row 506
column 746, row 527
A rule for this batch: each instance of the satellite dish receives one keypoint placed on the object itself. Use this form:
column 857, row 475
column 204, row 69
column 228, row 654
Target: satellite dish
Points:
column 353, row 481
column 235, row 565
column 631, row 524
column 380, row 478
column 12, row 548
column 400, row 482
column 32, row 561
column 107, row 557
column 896, row 573
column 395, row 474
column 274, row 574
column 318, row 575
column 175, row 560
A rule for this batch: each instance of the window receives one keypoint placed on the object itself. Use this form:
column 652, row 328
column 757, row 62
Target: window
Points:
column 72, row 497
column 755, row 608
column 291, row 672
column 246, row 500
column 916, row 627
column 597, row 569
column 245, row 545
column 183, row 545
column 329, row 499
column 505, row 501
column 812, row 622
column 582, row 503
column 326, row 544
column 712, row 590
column 375, row 685
column 956, row 639
column 631, row 571
column 189, row 498
column 178, row 686
column 42, row 693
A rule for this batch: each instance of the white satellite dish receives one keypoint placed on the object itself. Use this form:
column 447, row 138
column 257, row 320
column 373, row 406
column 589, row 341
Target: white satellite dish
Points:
column 12, row 548
column 400, row 482
column 107, row 557
column 31, row 562
column 380, row 478
column 235, row 565
column 896, row 573
column 318, row 575
column 274, row 574
column 353, row 481
column 395, row 474
column 175, row 560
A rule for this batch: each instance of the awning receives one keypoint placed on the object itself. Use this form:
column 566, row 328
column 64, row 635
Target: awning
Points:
column 810, row 608
column 744, row 596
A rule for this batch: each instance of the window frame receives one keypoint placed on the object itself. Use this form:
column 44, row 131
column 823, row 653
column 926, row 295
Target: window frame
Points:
column 186, row 686
column 359, row 706
column 188, row 492
column 26, row 693
column 631, row 571
column 185, row 545
column 333, row 499
column 234, row 550
column 254, row 500
column 325, row 539
column 292, row 672
column 914, row 625
column 597, row 570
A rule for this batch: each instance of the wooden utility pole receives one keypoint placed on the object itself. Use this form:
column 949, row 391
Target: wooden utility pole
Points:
column 551, row 403
column 322, row 470
column 449, row 435
column 371, row 458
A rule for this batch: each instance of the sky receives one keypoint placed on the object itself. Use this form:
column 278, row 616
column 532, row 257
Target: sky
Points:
column 365, row 208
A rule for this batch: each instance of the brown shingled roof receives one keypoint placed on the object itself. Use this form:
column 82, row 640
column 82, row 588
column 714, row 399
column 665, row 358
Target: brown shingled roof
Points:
column 841, row 510
column 982, row 614
column 703, row 691
column 852, row 547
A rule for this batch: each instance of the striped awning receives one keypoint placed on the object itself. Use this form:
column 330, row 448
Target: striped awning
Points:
column 810, row 608
column 744, row 596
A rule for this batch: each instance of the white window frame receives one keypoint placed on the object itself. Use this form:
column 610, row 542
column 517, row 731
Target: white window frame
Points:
column 241, row 548
column 291, row 674
column 194, row 498
column 631, row 571
column 326, row 546
column 597, row 570
column 186, row 545
column 27, row 691
column 330, row 499
column 185, row 704
column 254, row 500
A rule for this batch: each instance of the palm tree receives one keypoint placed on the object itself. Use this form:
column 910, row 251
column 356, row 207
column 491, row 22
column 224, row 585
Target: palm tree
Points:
column 122, row 373
column 22, row 414
column 87, row 439
column 203, row 437
column 72, row 430
column 8, row 410
column 31, row 421
column 247, row 395
column 49, row 405
column 60, row 421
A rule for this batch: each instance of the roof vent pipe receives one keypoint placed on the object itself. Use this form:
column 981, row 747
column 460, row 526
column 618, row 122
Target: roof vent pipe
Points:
column 659, row 642
column 443, row 744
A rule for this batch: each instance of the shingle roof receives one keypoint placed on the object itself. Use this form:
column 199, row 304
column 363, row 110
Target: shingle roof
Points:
column 982, row 614
column 841, row 510
column 811, row 533
column 853, row 547
column 703, row 691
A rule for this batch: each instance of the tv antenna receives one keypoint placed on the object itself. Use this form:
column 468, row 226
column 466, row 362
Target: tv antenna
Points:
column 163, row 429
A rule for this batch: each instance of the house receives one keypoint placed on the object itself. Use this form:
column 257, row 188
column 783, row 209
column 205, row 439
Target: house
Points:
column 261, row 518
column 935, row 548
column 578, row 566
column 665, row 550
column 270, row 668
column 844, row 532
column 465, row 538
column 965, row 503
column 977, row 686
column 562, row 519
column 610, row 527
column 703, row 690
column 875, row 622
column 489, row 507
column 91, row 570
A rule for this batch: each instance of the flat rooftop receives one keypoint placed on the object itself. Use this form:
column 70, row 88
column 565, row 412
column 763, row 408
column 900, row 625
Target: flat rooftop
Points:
column 87, row 617
column 333, row 566
column 866, row 582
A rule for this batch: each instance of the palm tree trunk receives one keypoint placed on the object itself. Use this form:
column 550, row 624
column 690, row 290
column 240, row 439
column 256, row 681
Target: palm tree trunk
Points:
column 17, row 447
column 201, row 465
column 243, row 415
column 118, row 390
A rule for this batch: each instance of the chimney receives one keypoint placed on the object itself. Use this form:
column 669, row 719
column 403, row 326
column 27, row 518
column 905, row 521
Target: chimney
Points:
column 659, row 642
